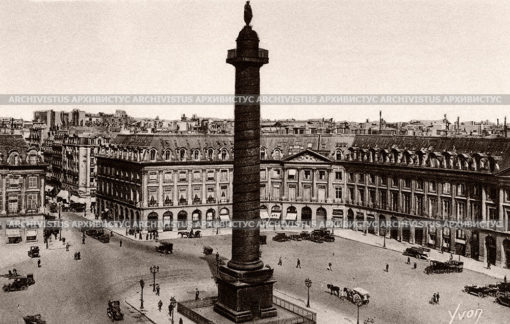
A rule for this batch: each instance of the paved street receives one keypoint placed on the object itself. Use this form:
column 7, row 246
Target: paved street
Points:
column 69, row 291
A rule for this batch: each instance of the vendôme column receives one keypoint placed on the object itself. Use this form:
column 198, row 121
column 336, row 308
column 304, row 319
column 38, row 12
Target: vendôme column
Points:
column 245, row 287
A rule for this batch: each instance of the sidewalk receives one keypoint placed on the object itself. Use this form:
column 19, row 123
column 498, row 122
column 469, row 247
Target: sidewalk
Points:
column 391, row 244
column 182, row 292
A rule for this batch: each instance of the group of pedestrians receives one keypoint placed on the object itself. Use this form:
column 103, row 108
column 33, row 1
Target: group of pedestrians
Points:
column 435, row 298
column 171, row 307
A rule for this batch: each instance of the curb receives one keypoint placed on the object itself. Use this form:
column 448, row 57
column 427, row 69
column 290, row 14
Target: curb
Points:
column 139, row 311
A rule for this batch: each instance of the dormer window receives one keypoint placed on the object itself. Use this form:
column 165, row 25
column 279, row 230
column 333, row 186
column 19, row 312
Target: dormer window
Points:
column 262, row 154
column 196, row 155
column 182, row 155
column 153, row 155
column 210, row 154
column 223, row 154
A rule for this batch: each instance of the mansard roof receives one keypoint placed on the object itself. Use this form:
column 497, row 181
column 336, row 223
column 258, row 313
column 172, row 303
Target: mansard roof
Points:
column 469, row 145
column 12, row 145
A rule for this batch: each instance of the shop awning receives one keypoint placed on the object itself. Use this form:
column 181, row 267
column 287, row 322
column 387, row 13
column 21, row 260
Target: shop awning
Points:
column 291, row 216
column 13, row 232
column 48, row 188
column 224, row 218
column 77, row 199
column 31, row 233
column 64, row 194
column 264, row 214
column 275, row 215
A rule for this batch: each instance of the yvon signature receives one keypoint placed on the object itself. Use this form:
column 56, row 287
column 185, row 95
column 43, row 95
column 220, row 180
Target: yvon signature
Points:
column 474, row 314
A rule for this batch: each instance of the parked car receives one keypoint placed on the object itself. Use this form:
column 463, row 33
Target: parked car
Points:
column 34, row 319
column 20, row 283
column 165, row 247
column 113, row 311
column 104, row 238
column 416, row 252
column 208, row 250
column 480, row 291
column 503, row 299
column 280, row 237
column 33, row 252
column 358, row 296
column 444, row 267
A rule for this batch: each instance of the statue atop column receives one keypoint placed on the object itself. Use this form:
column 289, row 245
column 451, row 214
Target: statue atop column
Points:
column 248, row 15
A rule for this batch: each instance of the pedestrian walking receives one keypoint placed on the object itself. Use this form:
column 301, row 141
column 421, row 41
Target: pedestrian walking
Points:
column 298, row 264
column 387, row 267
column 180, row 320
column 139, row 236
column 451, row 256
column 120, row 243
column 197, row 294
column 437, row 298
column 280, row 261
column 408, row 260
column 147, row 236
column 160, row 305
column 170, row 309
column 83, row 240
column 63, row 240
column 434, row 298
column 157, row 289
column 39, row 263
column 330, row 267
column 414, row 266
column 488, row 265
column 504, row 279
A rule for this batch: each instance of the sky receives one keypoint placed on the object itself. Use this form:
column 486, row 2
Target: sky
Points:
column 315, row 47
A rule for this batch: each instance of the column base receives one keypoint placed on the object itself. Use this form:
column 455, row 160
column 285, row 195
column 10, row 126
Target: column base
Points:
column 245, row 295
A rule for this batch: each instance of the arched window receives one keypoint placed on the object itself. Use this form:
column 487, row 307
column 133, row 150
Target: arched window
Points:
column 338, row 155
column 182, row 154
column 153, row 155
column 210, row 154
column 196, row 155
column 168, row 155
column 224, row 154
column 277, row 154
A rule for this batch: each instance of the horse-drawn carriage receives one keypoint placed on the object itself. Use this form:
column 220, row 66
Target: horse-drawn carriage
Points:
column 444, row 267
column 113, row 311
column 357, row 296
column 190, row 234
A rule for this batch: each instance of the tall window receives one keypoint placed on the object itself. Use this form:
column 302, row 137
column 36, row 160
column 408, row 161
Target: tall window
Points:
column 196, row 155
column 338, row 192
column 210, row 175
column 338, row 175
column 13, row 204
column 447, row 207
column 292, row 174
column 223, row 154
column 210, row 154
column 446, row 188
column 32, row 182
column 262, row 174
column 292, row 192
column 32, row 202
column 322, row 175
column 224, row 175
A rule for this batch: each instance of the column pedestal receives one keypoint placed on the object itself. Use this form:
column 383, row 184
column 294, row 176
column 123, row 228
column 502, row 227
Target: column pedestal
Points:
column 245, row 295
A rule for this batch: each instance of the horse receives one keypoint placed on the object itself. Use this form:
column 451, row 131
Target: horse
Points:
column 334, row 290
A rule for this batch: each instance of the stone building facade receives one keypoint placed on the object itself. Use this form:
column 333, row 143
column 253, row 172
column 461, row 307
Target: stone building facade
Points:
column 381, row 185
column 21, row 190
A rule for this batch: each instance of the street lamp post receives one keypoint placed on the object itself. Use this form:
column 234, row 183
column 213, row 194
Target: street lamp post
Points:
column 142, row 284
column 359, row 304
column 308, row 284
column 384, row 237
column 154, row 269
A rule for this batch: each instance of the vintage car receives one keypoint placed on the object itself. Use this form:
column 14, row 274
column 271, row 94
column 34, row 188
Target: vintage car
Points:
column 208, row 250
column 484, row 291
column 416, row 252
column 503, row 299
column 280, row 237
column 444, row 267
column 34, row 319
column 357, row 296
column 322, row 235
column 165, row 247
column 104, row 238
column 304, row 235
column 77, row 207
column 20, row 283
column 503, row 286
column 113, row 311
column 33, row 252
column 94, row 231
